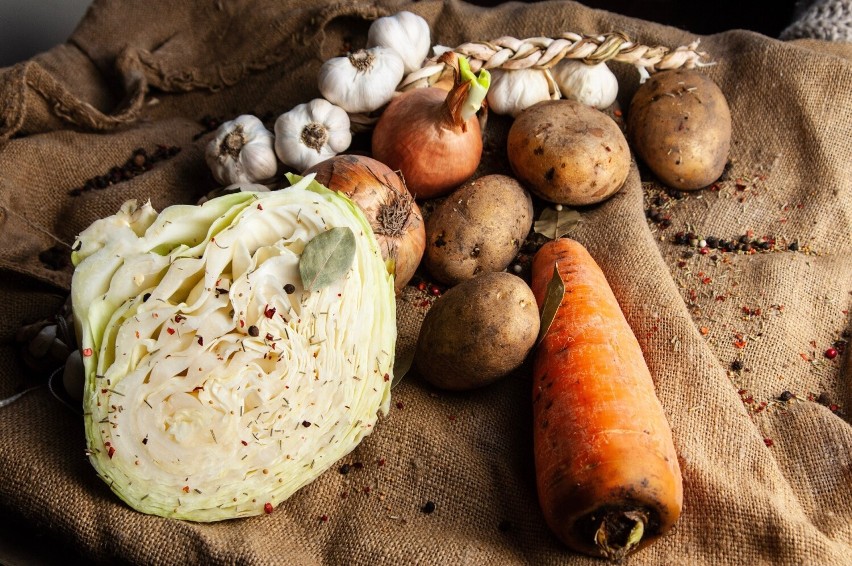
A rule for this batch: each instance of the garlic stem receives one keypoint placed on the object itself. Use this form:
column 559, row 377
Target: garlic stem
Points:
column 314, row 135
column 233, row 143
column 362, row 60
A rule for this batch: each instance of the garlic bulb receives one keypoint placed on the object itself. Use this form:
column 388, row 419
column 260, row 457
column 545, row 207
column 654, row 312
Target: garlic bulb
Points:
column 242, row 152
column 310, row 133
column 404, row 32
column 593, row 85
column 514, row 90
column 362, row 81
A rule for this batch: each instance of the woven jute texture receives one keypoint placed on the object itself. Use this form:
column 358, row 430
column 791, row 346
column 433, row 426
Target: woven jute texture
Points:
column 726, row 334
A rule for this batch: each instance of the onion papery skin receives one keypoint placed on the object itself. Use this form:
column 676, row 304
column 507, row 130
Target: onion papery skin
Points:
column 393, row 214
column 417, row 136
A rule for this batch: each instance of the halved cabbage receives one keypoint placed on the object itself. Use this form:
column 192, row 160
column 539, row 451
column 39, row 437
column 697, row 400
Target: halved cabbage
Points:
column 216, row 385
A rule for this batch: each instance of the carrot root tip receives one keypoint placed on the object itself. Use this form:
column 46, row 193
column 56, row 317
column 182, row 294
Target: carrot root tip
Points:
column 620, row 532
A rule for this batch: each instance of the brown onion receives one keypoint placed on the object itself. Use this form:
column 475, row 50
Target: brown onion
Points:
column 389, row 207
column 421, row 134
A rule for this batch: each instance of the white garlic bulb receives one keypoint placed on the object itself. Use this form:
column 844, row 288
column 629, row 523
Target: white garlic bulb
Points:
column 362, row 81
column 404, row 32
column 513, row 90
column 242, row 152
column 311, row 132
column 593, row 85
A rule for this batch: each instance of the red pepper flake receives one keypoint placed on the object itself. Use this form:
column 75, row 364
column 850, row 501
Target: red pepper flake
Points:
column 804, row 356
column 269, row 337
column 186, row 489
column 323, row 518
column 400, row 405
column 380, row 462
column 421, row 286
column 110, row 452
column 179, row 317
column 387, row 377
column 137, row 335
column 200, row 340
column 739, row 342
column 768, row 442
column 242, row 324
column 244, row 443
column 170, row 330
column 259, row 207
column 268, row 311
column 268, row 508
column 704, row 330
column 367, row 489
column 706, row 280
column 87, row 352
column 617, row 113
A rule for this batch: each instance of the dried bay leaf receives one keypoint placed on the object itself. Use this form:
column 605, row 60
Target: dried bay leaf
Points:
column 554, row 223
column 552, row 300
column 327, row 257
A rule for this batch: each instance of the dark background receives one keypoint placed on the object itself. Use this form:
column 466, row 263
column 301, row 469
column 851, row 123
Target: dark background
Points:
column 763, row 16
column 28, row 27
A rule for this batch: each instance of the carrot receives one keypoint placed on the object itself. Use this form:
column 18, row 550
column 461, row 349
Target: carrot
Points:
column 607, row 473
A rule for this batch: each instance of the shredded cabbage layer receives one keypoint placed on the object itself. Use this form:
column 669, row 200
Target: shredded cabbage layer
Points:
column 216, row 385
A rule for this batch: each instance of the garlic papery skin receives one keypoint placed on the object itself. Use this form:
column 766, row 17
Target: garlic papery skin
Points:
column 310, row 133
column 404, row 32
column 362, row 81
column 514, row 90
column 242, row 152
column 593, row 85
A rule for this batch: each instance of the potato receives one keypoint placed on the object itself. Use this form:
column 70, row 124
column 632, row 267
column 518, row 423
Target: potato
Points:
column 477, row 332
column 478, row 228
column 568, row 153
column 679, row 124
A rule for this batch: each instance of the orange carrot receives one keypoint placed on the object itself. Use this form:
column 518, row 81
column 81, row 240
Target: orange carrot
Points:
column 606, row 469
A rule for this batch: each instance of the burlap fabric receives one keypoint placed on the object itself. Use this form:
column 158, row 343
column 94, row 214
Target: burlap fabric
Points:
column 767, row 474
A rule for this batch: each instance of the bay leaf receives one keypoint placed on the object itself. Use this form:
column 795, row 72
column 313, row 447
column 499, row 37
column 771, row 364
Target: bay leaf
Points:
column 327, row 257
column 554, row 223
column 552, row 300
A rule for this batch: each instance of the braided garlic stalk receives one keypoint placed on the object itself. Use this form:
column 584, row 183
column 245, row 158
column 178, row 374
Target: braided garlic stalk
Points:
column 543, row 53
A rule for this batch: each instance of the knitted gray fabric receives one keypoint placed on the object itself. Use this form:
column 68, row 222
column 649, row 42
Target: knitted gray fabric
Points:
column 830, row 20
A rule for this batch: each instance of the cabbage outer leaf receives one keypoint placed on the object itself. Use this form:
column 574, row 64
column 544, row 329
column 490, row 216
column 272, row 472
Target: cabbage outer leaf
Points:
column 210, row 390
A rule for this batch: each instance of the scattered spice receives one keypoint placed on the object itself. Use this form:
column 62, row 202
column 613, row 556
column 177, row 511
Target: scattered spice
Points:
column 428, row 507
column 768, row 442
column 139, row 162
column 831, row 353
column 268, row 508
column 344, row 469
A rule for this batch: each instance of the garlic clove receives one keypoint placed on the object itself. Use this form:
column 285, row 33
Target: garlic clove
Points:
column 514, row 90
column 593, row 85
column 362, row 81
column 242, row 152
column 311, row 132
column 406, row 33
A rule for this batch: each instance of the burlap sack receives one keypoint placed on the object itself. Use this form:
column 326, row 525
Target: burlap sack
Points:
column 767, row 474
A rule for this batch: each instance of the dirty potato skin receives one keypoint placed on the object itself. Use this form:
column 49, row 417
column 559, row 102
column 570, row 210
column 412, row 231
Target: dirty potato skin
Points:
column 478, row 228
column 477, row 332
column 568, row 153
column 679, row 124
